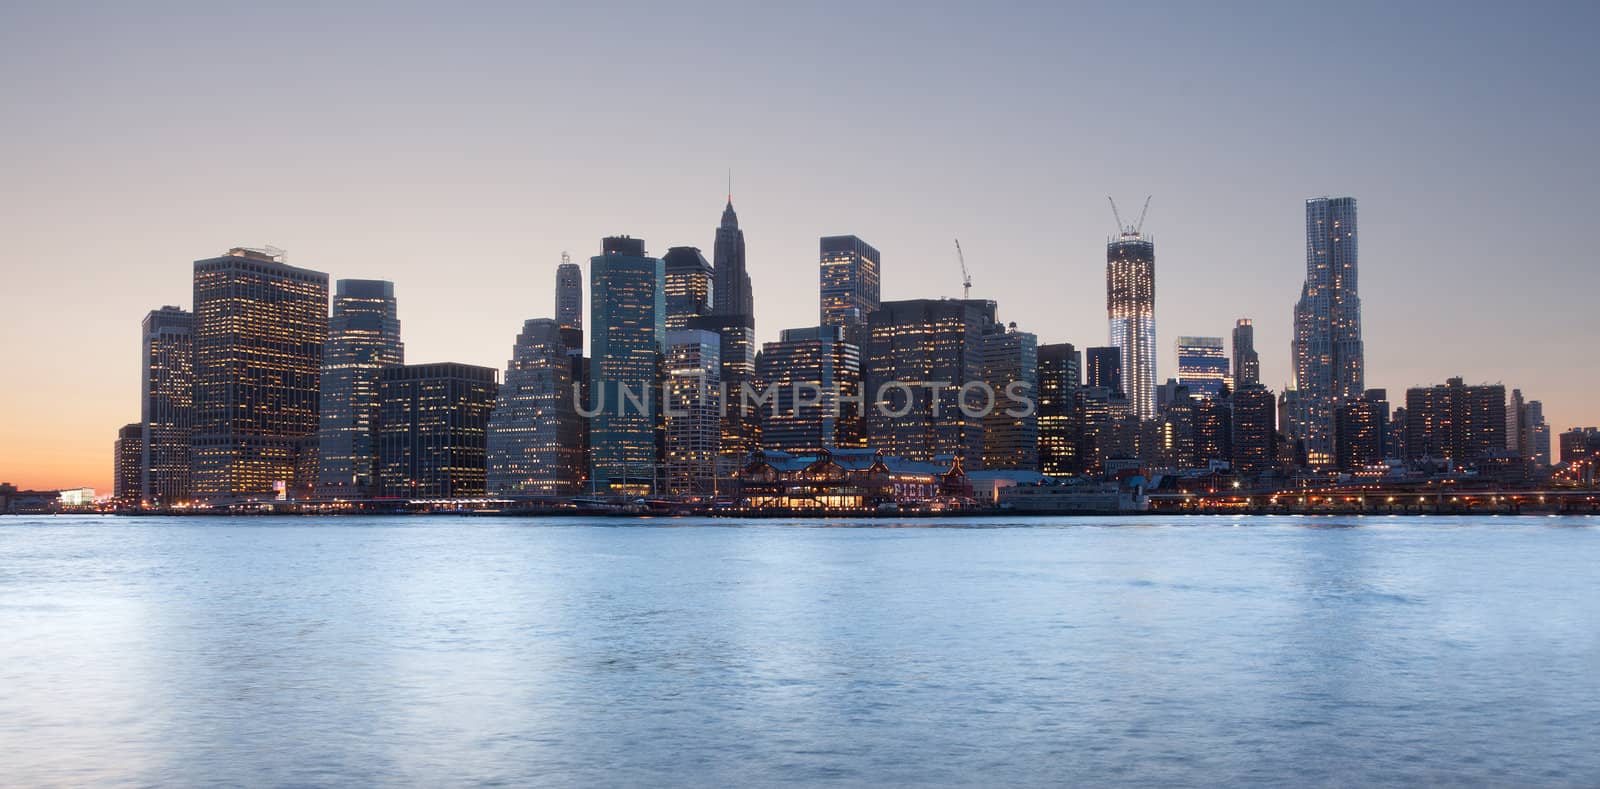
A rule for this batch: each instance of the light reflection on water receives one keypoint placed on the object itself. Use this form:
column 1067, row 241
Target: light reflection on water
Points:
column 1034, row 651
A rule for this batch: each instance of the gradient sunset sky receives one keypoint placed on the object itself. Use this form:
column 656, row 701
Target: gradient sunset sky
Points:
column 458, row 148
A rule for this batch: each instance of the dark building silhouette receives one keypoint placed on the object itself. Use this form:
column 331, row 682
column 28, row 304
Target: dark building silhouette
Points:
column 1059, row 379
column 432, row 430
column 1360, row 430
column 128, row 455
column 733, row 319
column 1455, row 422
column 569, row 303
column 1103, row 369
column 1255, row 424
column 1213, row 428
column 1246, row 362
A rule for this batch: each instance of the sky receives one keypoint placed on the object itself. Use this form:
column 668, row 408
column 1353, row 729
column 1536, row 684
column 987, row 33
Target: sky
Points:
column 458, row 149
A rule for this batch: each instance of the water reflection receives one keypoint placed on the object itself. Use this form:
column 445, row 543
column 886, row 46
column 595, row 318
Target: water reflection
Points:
column 1032, row 652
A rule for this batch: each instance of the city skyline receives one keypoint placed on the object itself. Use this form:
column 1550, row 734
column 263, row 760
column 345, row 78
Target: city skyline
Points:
column 464, row 286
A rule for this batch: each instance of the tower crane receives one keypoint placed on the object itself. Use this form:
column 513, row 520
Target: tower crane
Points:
column 1133, row 229
column 966, row 278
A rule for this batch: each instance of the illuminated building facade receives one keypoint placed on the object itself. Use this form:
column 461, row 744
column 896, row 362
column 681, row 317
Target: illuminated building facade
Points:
column 166, row 408
column 1255, row 425
column 1328, row 354
column 693, row 411
column 850, row 280
column 128, row 454
column 1059, row 378
column 534, row 445
column 1103, row 368
column 1246, row 362
column 1202, row 365
column 259, row 329
column 363, row 341
column 1011, row 431
column 1131, row 309
column 432, row 430
column 688, row 283
column 919, row 354
column 1455, row 422
column 856, row 479
column 627, row 313
column 1360, row 428
column 815, row 356
column 1580, row 444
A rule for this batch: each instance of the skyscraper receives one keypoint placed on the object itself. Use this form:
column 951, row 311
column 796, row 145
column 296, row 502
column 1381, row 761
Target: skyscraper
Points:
column 689, row 286
column 128, row 455
column 1103, row 369
column 166, row 408
column 1131, row 309
column 259, row 329
column 731, row 291
column 1010, row 360
column 569, row 303
column 912, row 345
column 1328, row 358
column 1213, row 429
column 693, row 419
column 1059, row 380
column 627, row 312
column 1360, row 428
column 433, row 422
column 534, row 444
column 1246, row 362
column 1202, row 365
column 733, row 319
column 363, row 340
column 829, row 418
column 849, row 276
column 1255, row 429
column 1455, row 422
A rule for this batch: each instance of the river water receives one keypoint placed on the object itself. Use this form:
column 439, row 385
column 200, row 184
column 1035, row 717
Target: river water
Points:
column 435, row 651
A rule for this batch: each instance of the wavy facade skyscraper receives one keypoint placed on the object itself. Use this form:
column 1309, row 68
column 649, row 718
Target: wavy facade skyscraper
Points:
column 1329, row 366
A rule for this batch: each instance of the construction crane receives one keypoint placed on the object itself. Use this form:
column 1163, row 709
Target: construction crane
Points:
column 966, row 278
column 1134, row 229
